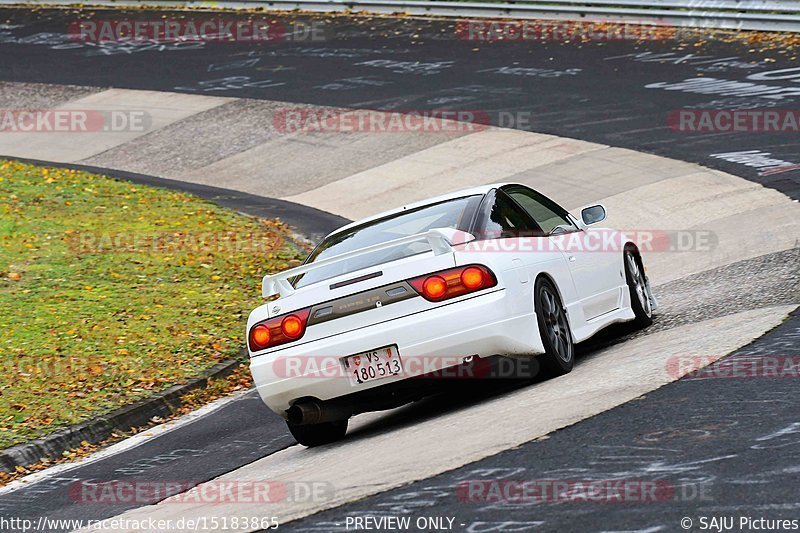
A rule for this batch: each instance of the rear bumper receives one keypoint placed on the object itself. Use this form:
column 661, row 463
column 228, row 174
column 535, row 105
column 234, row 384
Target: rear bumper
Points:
column 427, row 341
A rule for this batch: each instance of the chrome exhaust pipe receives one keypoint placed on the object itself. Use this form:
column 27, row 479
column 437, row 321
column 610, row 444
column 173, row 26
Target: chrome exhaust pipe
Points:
column 313, row 412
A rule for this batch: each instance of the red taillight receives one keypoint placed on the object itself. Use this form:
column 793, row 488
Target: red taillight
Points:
column 453, row 282
column 260, row 336
column 292, row 326
column 278, row 330
column 472, row 278
column 434, row 287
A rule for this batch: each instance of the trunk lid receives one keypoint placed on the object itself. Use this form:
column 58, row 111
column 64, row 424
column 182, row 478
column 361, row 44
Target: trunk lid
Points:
column 360, row 298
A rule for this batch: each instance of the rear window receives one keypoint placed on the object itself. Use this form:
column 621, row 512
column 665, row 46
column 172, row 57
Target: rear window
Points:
column 456, row 214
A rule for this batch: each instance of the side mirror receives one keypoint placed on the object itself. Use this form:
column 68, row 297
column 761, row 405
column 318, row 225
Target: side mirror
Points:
column 593, row 215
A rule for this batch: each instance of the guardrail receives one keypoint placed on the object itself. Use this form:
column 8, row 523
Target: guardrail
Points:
column 766, row 15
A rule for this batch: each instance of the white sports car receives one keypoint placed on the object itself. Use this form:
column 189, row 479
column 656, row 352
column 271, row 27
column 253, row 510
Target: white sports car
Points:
column 433, row 288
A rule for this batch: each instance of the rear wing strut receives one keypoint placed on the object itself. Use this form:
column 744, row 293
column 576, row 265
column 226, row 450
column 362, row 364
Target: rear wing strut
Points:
column 441, row 240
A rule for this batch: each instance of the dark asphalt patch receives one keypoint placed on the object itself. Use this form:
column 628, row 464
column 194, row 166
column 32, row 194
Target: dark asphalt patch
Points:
column 197, row 452
column 711, row 447
column 619, row 93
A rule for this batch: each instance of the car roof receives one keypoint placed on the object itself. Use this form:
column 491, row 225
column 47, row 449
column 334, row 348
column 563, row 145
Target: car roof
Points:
column 482, row 189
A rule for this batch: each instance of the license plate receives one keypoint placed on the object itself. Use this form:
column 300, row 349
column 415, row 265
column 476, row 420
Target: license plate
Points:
column 373, row 365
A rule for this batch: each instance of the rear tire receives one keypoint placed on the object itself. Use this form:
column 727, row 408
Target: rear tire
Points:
column 637, row 286
column 559, row 356
column 318, row 434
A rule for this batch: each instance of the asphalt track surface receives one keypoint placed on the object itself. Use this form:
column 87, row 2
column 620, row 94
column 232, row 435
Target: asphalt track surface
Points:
column 675, row 434
column 197, row 451
column 711, row 447
column 595, row 91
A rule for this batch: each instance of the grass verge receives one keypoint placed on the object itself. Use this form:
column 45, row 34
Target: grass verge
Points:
column 110, row 291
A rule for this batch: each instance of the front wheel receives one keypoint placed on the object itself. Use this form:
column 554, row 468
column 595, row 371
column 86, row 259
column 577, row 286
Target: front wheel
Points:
column 637, row 285
column 559, row 356
column 318, row 434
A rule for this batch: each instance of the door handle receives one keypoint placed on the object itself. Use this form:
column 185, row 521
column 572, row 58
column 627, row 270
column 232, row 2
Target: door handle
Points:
column 571, row 259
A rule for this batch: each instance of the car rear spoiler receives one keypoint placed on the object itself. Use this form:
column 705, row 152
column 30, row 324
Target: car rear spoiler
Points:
column 441, row 240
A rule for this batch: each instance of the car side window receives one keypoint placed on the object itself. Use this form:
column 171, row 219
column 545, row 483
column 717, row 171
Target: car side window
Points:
column 547, row 214
column 506, row 219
